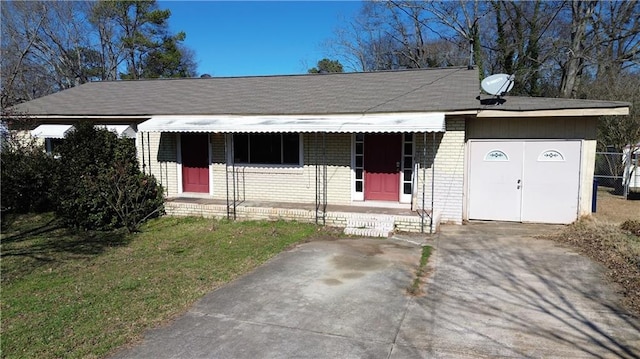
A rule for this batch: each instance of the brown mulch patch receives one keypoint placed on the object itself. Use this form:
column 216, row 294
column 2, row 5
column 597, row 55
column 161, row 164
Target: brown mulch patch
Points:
column 617, row 247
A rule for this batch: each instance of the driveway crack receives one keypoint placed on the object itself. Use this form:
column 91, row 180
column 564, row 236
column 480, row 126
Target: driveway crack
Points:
column 395, row 338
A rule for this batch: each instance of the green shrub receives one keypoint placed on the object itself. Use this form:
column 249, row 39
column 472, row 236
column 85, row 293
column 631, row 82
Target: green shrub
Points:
column 26, row 172
column 133, row 197
column 99, row 184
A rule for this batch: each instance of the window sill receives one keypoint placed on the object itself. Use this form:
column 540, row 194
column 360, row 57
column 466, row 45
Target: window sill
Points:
column 268, row 168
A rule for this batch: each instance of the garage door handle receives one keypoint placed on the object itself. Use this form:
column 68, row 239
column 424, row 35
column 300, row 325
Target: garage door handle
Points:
column 518, row 184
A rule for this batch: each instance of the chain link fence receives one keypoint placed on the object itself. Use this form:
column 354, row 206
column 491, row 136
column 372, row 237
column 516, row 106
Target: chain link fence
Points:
column 619, row 171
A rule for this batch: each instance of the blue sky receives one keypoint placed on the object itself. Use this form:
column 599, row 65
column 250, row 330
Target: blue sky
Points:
column 246, row 38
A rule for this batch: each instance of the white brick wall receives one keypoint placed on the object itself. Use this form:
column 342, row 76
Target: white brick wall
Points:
column 449, row 170
column 298, row 184
column 159, row 158
column 401, row 223
column 258, row 183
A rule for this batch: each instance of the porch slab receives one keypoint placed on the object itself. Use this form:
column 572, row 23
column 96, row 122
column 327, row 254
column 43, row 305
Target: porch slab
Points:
column 404, row 219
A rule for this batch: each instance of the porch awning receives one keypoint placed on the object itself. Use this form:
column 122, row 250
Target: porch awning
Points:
column 50, row 131
column 59, row 131
column 367, row 123
column 122, row 130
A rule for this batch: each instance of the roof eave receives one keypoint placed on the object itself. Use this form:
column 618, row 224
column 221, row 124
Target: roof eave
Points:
column 577, row 112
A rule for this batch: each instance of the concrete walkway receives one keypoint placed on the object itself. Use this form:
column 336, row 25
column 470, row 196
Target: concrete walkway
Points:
column 493, row 291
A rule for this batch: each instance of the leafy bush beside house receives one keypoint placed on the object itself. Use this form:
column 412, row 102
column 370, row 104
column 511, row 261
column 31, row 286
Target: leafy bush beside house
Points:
column 26, row 173
column 99, row 185
column 93, row 182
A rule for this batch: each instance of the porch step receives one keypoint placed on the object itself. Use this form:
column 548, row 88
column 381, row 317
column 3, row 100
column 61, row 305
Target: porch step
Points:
column 370, row 225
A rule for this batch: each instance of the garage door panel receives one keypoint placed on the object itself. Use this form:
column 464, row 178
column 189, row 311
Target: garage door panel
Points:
column 494, row 174
column 528, row 181
column 552, row 181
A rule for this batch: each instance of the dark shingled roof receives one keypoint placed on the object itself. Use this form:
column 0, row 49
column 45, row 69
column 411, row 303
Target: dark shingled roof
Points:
column 369, row 92
column 520, row 103
column 422, row 90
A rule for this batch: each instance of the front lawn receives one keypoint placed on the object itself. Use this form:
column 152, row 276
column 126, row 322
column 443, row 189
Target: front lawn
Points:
column 83, row 294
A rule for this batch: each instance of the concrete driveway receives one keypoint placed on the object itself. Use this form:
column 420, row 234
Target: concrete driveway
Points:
column 493, row 291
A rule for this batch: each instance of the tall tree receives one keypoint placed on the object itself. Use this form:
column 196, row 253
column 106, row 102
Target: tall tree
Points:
column 520, row 46
column 573, row 65
column 141, row 30
column 170, row 59
column 326, row 65
column 604, row 40
column 48, row 46
column 463, row 18
column 393, row 35
column 44, row 48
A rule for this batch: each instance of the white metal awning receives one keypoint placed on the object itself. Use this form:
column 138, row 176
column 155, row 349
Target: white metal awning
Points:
column 122, row 130
column 367, row 123
column 59, row 131
column 50, row 131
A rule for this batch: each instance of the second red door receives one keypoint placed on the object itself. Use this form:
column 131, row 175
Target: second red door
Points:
column 382, row 156
column 195, row 162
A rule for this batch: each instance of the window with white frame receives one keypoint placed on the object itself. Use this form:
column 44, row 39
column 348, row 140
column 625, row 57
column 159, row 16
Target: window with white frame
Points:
column 267, row 148
column 407, row 163
column 359, row 162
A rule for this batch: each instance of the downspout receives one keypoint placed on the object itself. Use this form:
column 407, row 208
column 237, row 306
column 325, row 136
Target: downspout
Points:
column 149, row 150
column 144, row 164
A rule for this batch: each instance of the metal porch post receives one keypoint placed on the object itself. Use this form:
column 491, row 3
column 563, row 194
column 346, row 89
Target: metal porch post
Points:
column 424, row 178
column 233, row 176
column 226, row 171
column 433, row 180
column 324, row 177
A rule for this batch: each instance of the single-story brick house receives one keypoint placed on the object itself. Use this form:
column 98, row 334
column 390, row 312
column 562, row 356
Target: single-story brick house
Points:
column 395, row 142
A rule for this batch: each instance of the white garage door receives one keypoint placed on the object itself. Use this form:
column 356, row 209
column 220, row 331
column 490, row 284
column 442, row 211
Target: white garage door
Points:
column 527, row 181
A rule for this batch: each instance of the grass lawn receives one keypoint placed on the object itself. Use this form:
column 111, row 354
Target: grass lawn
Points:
column 82, row 294
column 615, row 209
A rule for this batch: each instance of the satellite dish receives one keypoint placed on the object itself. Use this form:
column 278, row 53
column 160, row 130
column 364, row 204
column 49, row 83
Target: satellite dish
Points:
column 498, row 84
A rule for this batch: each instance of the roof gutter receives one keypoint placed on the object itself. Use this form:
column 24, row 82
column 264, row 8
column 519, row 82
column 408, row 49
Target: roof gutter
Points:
column 580, row 112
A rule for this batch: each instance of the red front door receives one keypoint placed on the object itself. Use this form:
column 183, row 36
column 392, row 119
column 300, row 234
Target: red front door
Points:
column 382, row 155
column 195, row 162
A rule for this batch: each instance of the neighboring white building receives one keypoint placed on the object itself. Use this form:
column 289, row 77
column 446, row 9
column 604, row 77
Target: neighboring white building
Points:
column 631, row 160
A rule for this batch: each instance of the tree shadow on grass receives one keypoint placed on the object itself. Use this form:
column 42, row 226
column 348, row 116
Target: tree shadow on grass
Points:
column 26, row 233
column 49, row 244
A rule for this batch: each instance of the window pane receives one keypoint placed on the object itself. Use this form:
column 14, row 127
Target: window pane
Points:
column 359, row 148
column 407, row 175
column 358, row 186
column 359, row 137
column 241, row 148
column 408, row 162
column 408, row 148
column 265, row 148
column 359, row 161
column 408, row 137
column 291, row 148
column 407, row 188
column 358, row 174
column 55, row 144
